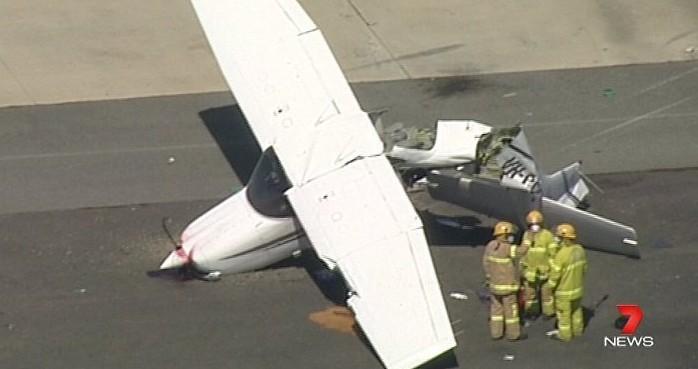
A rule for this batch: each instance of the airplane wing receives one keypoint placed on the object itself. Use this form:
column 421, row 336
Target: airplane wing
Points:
column 280, row 70
column 360, row 220
column 344, row 192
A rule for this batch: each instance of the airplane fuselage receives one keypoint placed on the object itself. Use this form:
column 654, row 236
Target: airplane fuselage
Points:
column 251, row 229
column 251, row 240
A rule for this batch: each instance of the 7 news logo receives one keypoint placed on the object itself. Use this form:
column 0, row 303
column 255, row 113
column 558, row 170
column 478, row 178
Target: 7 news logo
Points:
column 632, row 315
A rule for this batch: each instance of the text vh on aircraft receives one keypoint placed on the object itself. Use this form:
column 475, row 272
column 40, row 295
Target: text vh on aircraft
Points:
column 322, row 181
column 493, row 172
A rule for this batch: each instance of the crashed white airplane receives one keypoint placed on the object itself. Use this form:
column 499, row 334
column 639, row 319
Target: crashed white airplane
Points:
column 322, row 180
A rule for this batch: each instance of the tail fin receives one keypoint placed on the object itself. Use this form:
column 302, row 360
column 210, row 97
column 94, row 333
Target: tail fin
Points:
column 566, row 186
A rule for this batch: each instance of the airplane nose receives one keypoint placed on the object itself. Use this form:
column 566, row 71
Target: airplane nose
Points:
column 175, row 259
column 199, row 259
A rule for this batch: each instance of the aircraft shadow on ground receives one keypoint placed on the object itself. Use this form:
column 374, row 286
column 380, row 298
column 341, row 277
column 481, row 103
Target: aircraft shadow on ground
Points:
column 330, row 283
column 470, row 234
column 590, row 311
column 334, row 289
column 233, row 135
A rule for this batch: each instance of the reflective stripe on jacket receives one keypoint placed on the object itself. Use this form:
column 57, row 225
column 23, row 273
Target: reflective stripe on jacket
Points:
column 541, row 249
column 567, row 272
column 499, row 266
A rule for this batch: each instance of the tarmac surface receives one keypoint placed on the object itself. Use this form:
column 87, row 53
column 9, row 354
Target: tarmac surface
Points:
column 86, row 186
column 76, row 294
column 70, row 50
column 118, row 152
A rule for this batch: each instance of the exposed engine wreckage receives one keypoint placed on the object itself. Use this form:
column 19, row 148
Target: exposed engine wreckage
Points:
column 493, row 171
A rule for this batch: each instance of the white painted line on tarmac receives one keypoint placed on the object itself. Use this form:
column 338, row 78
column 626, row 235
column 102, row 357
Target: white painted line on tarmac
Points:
column 107, row 152
column 627, row 123
column 665, row 82
column 605, row 120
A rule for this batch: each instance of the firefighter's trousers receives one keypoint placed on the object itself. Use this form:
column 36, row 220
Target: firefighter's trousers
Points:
column 570, row 318
column 531, row 291
column 504, row 316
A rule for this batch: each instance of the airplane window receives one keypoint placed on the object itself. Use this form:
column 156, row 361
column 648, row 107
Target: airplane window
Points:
column 266, row 188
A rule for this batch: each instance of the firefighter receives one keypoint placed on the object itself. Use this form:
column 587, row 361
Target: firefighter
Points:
column 535, row 265
column 499, row 263
column 567, row 281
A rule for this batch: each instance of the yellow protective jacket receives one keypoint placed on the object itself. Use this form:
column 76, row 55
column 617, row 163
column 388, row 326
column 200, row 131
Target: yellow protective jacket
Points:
column 541, row 250
column 500, row 267
column 567, row 272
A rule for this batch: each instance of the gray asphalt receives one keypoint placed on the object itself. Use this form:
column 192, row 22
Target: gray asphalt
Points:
column 111, row 153
column 85, row 187
column 76, row 294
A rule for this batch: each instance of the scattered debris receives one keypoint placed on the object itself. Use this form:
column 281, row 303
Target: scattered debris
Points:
column 10, row 327
column 81, row 290
column 510, row 94
column 508, row 357
column 337, row 318
column 690, row 50
column 552, row 333
column 171, row 160
column 608, row 92
column 458, row 296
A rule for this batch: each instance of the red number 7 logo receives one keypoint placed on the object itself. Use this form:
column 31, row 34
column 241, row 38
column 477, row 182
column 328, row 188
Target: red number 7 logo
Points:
column 634, row 314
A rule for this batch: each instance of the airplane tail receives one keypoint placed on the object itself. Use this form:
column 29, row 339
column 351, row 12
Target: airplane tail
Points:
column 565, row 192
column 594, row 232
column 566, row 186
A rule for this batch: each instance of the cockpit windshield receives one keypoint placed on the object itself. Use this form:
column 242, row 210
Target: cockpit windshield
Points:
column 266, row 188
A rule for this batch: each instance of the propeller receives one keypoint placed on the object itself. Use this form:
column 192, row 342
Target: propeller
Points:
column 177, row 265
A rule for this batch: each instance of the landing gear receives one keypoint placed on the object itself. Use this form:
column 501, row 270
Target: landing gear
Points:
column 212, row 276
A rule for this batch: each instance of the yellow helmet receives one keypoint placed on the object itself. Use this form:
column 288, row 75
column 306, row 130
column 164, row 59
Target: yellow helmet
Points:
column 534, row 217
column 502, row 228
column 566, row 231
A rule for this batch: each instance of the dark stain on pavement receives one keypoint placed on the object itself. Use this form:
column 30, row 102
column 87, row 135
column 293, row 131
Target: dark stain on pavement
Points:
column 449, row 87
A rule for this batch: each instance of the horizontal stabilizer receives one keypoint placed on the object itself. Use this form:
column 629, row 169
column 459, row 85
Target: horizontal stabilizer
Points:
column 593, row 231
